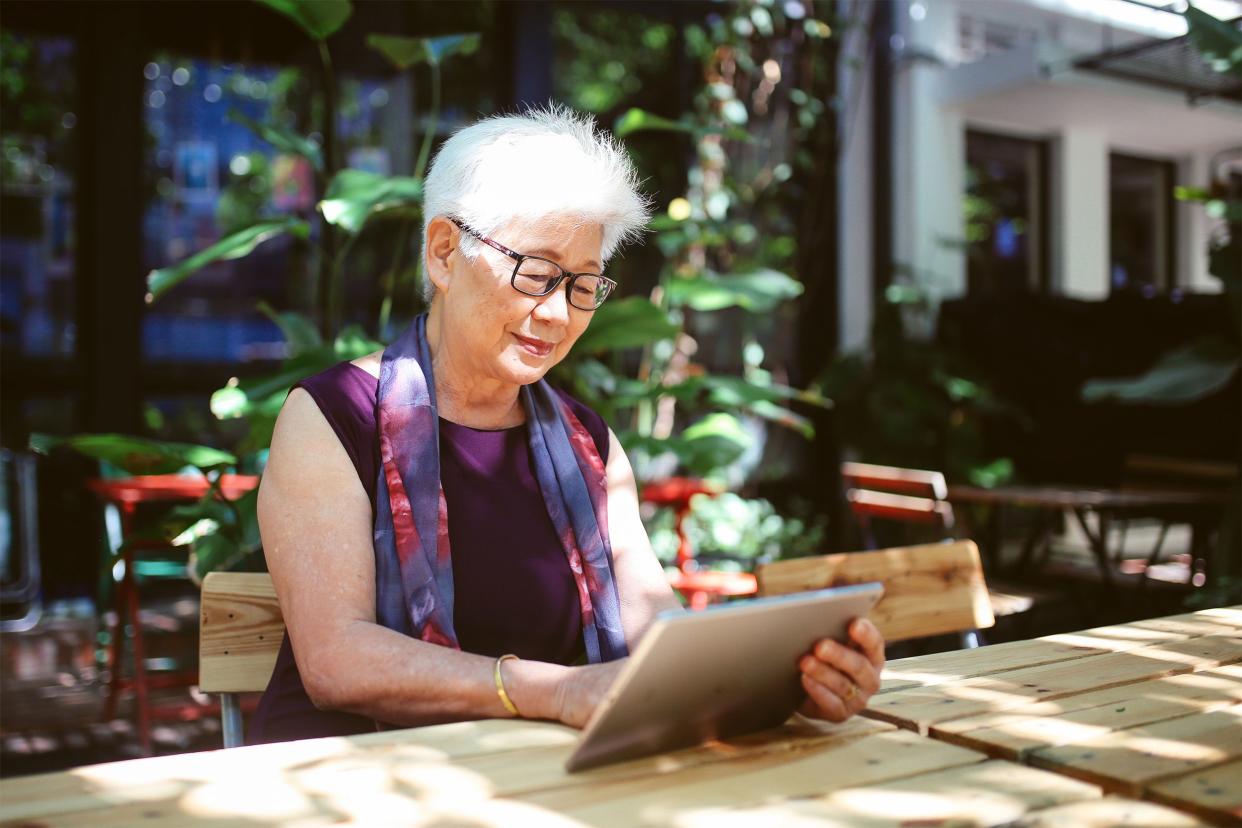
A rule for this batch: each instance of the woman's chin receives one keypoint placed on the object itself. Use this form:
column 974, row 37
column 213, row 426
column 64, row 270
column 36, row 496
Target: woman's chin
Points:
column 523, row 368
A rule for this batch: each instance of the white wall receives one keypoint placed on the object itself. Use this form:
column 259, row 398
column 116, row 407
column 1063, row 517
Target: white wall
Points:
column 1079, row 214
column 856, row 199
column 929, row 154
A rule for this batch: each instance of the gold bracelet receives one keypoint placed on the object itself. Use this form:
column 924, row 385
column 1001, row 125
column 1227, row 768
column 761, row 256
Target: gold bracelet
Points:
column 500, row 684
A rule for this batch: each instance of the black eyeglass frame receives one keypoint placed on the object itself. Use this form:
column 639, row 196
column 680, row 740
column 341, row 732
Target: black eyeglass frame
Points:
column 553, row 283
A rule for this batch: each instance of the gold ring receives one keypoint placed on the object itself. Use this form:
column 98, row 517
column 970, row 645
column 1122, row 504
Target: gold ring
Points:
column 852, row 693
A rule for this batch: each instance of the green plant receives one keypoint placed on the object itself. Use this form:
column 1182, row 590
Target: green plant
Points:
column 917, row 404
column 725, row 287
column 349, row 203
column 732, row 532
column 726, row 241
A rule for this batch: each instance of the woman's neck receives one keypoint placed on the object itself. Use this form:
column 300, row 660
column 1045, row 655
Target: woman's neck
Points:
column 462, row 396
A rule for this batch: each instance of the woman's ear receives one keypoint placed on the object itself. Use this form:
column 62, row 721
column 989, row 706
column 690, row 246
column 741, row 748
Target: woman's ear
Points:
column 442, row 237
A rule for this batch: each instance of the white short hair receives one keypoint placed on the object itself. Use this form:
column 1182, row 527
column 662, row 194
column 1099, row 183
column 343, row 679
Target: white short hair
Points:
column 547, row 161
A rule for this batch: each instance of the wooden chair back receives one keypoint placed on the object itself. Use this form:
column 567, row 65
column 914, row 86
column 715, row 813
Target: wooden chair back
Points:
column 898, row 495
column 928, row 590
column 239, row 637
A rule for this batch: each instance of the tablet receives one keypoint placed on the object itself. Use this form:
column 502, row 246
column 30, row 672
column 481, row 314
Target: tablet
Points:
column 722, row 672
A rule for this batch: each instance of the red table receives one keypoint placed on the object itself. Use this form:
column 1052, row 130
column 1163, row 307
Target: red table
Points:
column 127, row 494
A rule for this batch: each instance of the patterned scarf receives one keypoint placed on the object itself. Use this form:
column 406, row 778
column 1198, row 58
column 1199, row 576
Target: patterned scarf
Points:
column 413, row 564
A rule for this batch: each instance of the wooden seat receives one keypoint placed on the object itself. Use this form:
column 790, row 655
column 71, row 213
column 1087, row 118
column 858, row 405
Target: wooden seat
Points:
column 239, row 639
column 928, row 590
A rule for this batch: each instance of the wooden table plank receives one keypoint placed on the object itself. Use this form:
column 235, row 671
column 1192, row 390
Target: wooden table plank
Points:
column 1107, row 813
column 145, row 780
column 921, row 707
column 468, row 760
column 748, row 782
column 1013, row 734
column 1127, row 761
column 1214, row 793
column 955, row 665
column 980, row 794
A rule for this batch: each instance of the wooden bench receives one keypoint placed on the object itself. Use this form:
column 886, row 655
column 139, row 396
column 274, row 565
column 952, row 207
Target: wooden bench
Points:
column 928, row 590
column 239, row 638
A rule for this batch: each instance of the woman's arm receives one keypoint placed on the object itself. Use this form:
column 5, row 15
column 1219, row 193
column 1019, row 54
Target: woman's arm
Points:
column 315, row 520
column 641, row 583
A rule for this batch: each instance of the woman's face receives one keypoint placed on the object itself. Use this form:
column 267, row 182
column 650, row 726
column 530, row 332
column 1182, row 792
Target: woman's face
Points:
column 505, row 335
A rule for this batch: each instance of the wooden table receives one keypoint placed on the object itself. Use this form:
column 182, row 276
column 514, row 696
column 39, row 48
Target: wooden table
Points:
column 1200, row 508
column 1150, row 709
column 866, row 772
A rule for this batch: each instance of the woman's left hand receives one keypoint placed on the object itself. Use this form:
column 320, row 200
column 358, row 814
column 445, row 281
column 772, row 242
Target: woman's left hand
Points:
column 839, row 679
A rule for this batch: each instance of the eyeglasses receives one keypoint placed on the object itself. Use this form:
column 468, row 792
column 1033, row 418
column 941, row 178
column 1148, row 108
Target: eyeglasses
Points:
column 535, row 276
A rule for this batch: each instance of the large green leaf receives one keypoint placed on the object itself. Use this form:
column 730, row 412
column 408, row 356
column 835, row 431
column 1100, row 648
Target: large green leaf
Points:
column 640, row 120
column 299, row 331
column 626, row 323
column 713, row 443
column 137, row 455
column 320, row 19
column 759, row 291
column 355, row 195
column 232, row 542
column 404, row 52
column 282, row 138
column 1180, row 376
column 1219, row 42
column 233, row 246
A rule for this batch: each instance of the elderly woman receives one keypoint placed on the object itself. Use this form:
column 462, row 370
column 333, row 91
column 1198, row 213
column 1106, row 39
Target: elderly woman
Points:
column 450, row 537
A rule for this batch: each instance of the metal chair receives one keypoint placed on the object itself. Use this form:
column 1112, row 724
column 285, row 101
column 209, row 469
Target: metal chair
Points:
column 19, row 556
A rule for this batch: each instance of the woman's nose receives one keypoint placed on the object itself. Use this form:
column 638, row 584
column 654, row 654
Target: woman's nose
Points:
column 554, row 307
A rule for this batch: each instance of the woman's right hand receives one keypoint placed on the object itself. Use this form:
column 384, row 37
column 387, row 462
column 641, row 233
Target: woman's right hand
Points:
column 583, row 688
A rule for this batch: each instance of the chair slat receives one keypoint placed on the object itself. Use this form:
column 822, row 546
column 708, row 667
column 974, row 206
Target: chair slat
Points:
column 928, row 590
column 241, row 632
column 895, row 479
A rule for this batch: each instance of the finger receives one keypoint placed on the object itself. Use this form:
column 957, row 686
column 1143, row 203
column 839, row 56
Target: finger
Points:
column 833, row 679
column 867, row 636
column 854, row 664
column 853, row 698
column 830, row 705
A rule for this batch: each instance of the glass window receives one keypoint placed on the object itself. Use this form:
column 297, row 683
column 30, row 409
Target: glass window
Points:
column 1140, row 224
column 1005, row 212
column 37, row 98
column 211, row 175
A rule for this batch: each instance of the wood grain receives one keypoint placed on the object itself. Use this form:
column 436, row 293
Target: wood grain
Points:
column 241, row 632
column 928, row 590
column 1013, row 734
column 1126, row 761
column 984, row 793
column 751, row 782
column 921, row 707
column 1213, row 793
column 1110, row 812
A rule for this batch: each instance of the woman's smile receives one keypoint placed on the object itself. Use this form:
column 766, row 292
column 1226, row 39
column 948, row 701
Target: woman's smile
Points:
column 535, row 347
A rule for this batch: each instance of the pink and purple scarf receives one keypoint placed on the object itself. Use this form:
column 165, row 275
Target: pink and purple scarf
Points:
column 413, row 563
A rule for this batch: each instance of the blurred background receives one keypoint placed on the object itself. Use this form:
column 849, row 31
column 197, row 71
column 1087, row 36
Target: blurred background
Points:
column 994, row 241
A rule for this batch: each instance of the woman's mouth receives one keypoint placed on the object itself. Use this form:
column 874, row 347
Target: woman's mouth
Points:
column 534, row 347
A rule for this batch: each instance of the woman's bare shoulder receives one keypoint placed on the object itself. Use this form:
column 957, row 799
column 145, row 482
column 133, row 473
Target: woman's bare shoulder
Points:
column 370, row 363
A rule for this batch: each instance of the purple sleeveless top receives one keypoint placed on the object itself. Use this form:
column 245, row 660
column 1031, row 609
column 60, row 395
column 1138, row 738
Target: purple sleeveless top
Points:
column 512, row 588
